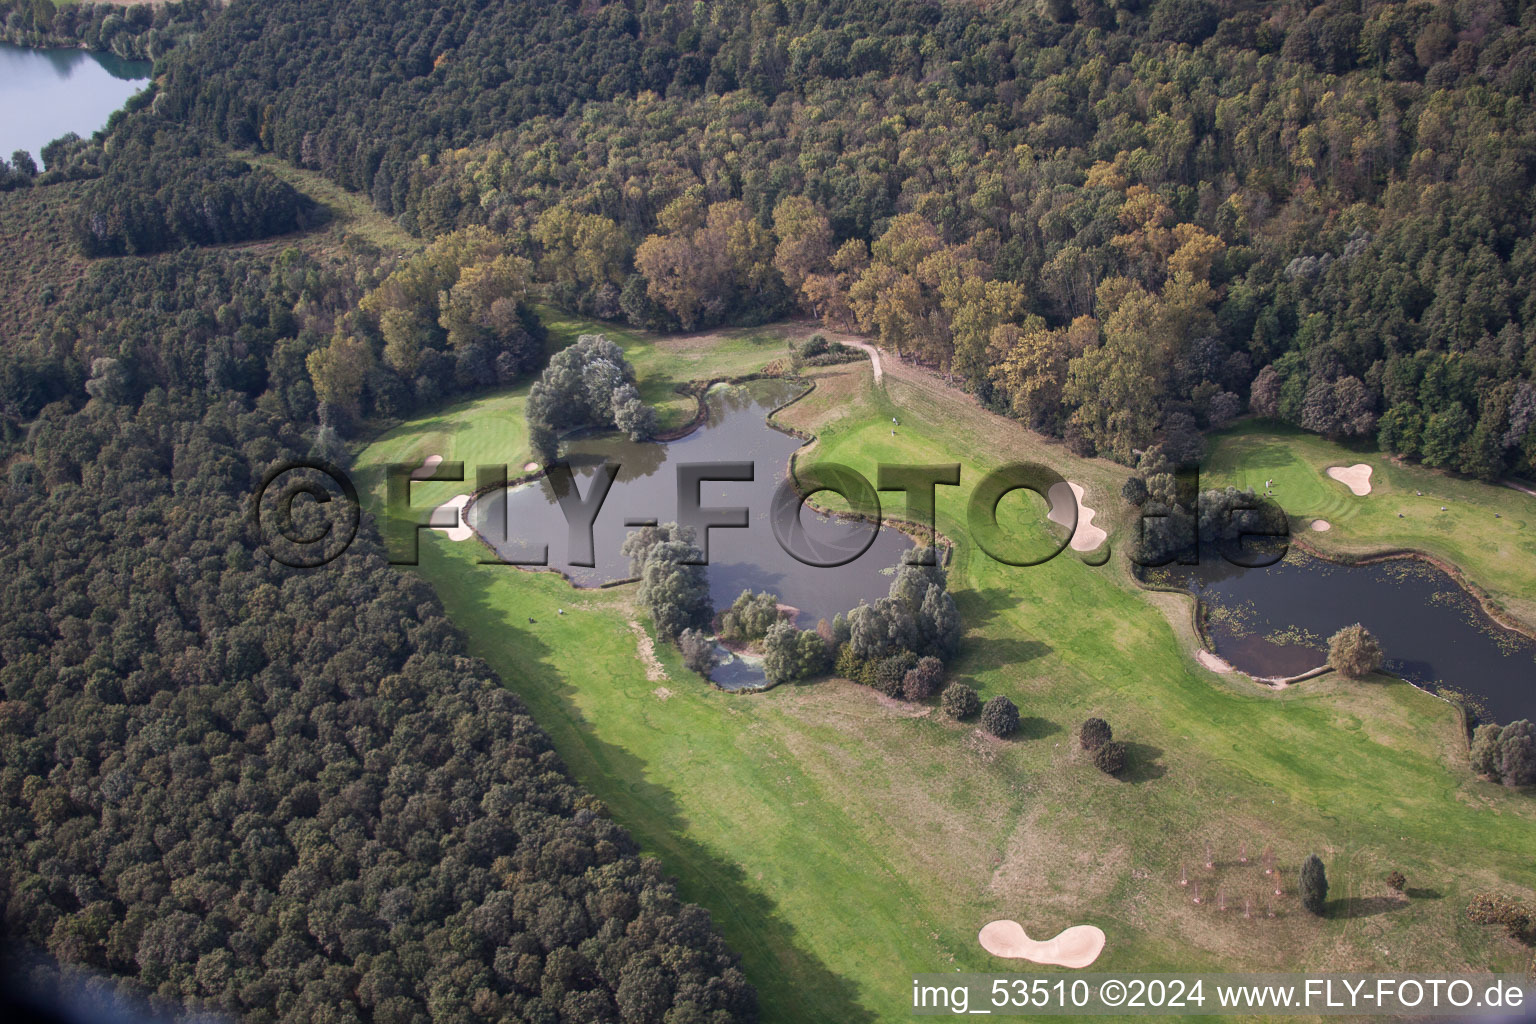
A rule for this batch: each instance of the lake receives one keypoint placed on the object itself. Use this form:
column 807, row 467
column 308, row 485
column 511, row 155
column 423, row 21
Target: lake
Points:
column 1276, row 622
column 646, row 488
column 48, row 93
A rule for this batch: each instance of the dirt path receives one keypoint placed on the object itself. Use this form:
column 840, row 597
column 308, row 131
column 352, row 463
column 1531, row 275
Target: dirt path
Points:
column 874, row 353
column 1519, row 487
column 646, row 647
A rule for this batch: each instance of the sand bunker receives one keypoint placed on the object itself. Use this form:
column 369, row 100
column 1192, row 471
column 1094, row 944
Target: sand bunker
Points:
column 1212, row 662
column 530, row 467
column 1078, row 946
column 1357, row 477
column 1321, row 526
column 448, row 519
column 424, row 470
column 1086, row 537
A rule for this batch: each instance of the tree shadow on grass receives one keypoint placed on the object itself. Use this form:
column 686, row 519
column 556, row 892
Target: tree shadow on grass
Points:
column 1031, row 728
column 1003, row 652
column 792, row 983
column 1141, row 764
column 1423, row 894
column 980, row 606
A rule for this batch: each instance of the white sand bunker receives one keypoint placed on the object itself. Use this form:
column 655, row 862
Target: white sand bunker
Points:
column 1322, row 525
column 448, row 519
column 1357, row 477
column 1086, row 537
column 424, row 470
column 1078, row 946
column 530, row 467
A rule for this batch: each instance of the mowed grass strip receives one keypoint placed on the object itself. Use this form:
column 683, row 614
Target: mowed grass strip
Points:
column 843, row 842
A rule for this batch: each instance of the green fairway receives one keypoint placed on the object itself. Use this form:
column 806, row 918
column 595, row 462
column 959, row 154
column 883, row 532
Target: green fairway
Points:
column 1486, row 531
column 843, row 842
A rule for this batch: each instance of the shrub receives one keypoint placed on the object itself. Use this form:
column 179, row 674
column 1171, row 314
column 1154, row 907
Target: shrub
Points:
column 848, row 664
column 1134, row 490
column 891, row 672
column 1353, row 652
column 1496, row 908
column 833, row 634
column 1000, row 716
column 1094, row 734
column 749, row 617
column 790, row 654
column 959, row 701
column 676, row 592
column 698, row 651
column 1506, row 753
column 1314, row 885
column 1109, row 757
column 1396, row 881
column 922, row 681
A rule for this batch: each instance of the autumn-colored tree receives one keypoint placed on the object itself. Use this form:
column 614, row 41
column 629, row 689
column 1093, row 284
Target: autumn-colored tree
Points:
column 977, row 309
column 338, row 371
column 708, row 262
column 1354, row 652
column 482, row 304
column 805, row 244
column 1031, row 364
column 404, row 338
column 418, row 284
column 580, row 250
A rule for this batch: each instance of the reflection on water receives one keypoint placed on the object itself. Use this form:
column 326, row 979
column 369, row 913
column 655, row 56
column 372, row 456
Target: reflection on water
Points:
column 48, row 93
column 1276, row 622
column 646, row 488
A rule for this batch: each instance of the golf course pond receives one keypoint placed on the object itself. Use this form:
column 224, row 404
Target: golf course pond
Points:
column 1275, row 622
column 646, row 489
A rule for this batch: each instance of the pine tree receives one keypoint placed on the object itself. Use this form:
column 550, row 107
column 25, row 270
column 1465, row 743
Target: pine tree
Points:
column 1314, row 885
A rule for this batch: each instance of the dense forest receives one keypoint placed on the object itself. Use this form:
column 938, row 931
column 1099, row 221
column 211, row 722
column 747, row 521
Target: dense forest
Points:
column 248, row 788
column 161, row 188
column 293, row 796
column 132, row 31
column 1120, row 222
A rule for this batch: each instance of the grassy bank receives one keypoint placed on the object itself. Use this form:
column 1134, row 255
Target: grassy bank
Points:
column 843, row 842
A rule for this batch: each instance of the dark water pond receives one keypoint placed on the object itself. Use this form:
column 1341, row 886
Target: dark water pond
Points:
column 48, row 93
column 739, row 559
column 1276, row 622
